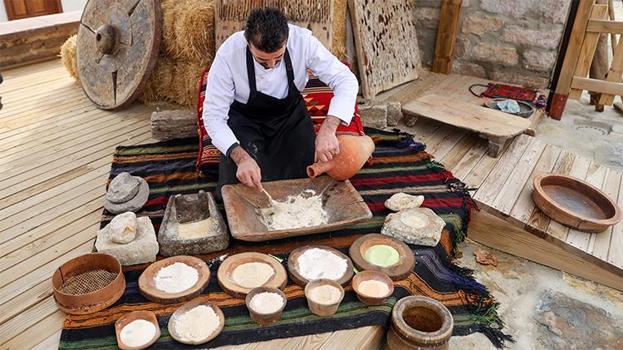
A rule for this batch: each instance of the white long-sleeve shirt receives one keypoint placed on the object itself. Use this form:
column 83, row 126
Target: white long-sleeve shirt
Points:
column 228, row 81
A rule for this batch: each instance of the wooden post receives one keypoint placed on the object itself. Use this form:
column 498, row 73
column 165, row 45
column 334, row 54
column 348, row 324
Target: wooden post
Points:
column 449, row 15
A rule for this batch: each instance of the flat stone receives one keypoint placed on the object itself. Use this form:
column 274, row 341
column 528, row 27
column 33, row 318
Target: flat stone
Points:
column 511, row 8
column 467, row 68
column 419, row 226
column 427, row 17
column 474, row 341
column 122, row 228
column 142, row 249
column 122, row 188
column 547, row 39
column 394, row 113
column 539, row 60
column 554, row 11
column 172, row 124
column 495, row 53
column 523, row 78
column 133, row 204
column 401, row 201
column 479, row 23
column 567, row 323
column 373, row 116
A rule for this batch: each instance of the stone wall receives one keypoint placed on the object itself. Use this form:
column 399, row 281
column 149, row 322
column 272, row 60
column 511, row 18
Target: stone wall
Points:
column 513, row 41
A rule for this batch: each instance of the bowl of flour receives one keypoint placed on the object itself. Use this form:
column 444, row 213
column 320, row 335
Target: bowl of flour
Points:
column 137, row 330
column 196, row 322
column 310, row 263
column 175, row 279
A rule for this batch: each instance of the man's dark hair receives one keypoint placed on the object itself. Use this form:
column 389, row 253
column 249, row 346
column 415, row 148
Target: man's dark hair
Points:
column 266, row 29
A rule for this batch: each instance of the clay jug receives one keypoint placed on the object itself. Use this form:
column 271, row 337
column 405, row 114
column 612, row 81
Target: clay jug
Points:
column 354, row 152
column 419, row 323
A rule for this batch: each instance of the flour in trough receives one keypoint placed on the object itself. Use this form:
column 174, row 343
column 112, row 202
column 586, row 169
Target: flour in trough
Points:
column 302, row 210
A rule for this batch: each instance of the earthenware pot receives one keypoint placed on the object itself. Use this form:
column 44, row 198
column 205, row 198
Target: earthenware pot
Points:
column 354, row 151
column 419, row 323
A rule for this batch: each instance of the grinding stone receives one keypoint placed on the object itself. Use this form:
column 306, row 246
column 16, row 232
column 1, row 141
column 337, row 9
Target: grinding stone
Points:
column 142, row 249
column 122, row 228
column 400, row 201
column 122, row 188
column 133, row 204
column 419, row 226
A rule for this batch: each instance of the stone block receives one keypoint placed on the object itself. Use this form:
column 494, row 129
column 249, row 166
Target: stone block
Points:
column 498, row 54
column 401, row 201
column 419, row 226
column 479, row 23
column 142, row 249
column 171, row 124
column 426, row 17
column 394, row 113
column 543, row 61
column 523, row 78
column 547, row 39
column 510, row 8
column 467, row 68
column 554, row 11
column 373, row 116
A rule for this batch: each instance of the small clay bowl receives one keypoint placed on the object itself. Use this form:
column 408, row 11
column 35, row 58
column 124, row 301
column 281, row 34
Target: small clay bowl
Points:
column 398, row 271
column 321, row 309
column 187, row 307
column 261, row 318
column 133, row 316
column 419, row 322
column 91, row 300
column 372, row 275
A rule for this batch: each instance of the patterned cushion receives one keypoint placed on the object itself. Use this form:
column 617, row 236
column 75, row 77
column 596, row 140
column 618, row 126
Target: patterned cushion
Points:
column 317, row 96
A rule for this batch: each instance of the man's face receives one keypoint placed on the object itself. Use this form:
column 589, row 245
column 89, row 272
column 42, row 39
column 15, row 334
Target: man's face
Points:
column 268, row 60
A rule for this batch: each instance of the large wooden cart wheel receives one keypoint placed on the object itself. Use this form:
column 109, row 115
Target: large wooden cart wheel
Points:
column 117, row 48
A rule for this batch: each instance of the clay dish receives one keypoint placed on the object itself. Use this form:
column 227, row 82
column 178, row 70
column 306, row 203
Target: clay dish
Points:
column 74, row 280
column 398, row 271
column 575, row 203
column 147, row 285
column 225, row 271
column 372, row 275
column 187, row 307
column 261, row 318
column 133, row 316
column 293, row 266
column 419, row 322
column 321, row 309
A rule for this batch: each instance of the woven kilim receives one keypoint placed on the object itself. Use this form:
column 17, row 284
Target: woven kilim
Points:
column 398, row 164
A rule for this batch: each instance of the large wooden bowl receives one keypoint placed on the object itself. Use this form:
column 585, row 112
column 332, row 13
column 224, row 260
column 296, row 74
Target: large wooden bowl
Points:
column 398, row 271
column 147, row 285
column 133, row 316
column 293, row 265
column 90, row 301
column 187, row 307
column 224, row 273
column 575, row 203
column 344, row 206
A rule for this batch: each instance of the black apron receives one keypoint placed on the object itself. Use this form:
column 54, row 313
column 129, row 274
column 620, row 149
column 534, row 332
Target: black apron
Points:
column 277, row 133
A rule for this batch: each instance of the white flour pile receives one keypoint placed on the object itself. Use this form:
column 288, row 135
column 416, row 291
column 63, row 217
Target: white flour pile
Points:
column 196, row 324
column 266, row 302
column 176, row 278
column 325, row 294
column 198, row 229
column 319, row 263
column 253, row 274
column 137, row 333
column 302, row 210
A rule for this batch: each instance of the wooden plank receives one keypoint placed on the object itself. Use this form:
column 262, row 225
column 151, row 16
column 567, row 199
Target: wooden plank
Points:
column 24, row 320
column 399, row 54
column 447, row 30
column 480, row 171
column 467, row 116
column 498, row 176
column 37, row 333
column 597, row 85
column 615, row 254
column 615, row 73
column 470, row 160
column 52, row 342
column 600, row 242
column 587, row 52
column 448, row 143
column 604, row 26
column 459, row 151
column 23, row 301
column 508, row 195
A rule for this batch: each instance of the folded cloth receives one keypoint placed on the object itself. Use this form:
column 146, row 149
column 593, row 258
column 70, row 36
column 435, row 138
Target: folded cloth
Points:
column 508, row 106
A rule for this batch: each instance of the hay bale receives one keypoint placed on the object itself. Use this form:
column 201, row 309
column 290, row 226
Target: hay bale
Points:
column 188, row 30
column 173, row 81
column 68, row 56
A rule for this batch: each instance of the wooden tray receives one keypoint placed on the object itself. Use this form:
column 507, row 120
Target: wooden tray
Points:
column 188, row 306
column 148, row 288
column 575, row 203
column 132, row 316
column 293, row 266
column 279, row 279
column 343, row 203
column 399, row 271
column 86, row 303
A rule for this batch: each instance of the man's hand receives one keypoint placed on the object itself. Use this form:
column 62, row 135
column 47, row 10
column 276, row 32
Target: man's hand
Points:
column 327, row 145
column 248, row 172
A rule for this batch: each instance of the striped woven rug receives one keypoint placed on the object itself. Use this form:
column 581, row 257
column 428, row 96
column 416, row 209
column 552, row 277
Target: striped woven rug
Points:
column 398, row 164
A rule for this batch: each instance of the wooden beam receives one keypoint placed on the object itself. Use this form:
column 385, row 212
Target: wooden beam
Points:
column 614, row 74
column 449, row 15
column 596, row 85
column 604, row 26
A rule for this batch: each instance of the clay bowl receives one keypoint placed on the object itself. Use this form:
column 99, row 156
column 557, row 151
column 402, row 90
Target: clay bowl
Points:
column 83, row 299
column 419, row 322
column 133, row 316
column 263, row 318
column 318, row 308
column 147, row 285
column 376, row 276
column 293, row 266
column 398, row 271
column 575, row 203
column 231, row 287
column 187, row 307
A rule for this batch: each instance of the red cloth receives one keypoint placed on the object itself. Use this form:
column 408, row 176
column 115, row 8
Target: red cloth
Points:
column 317, row 98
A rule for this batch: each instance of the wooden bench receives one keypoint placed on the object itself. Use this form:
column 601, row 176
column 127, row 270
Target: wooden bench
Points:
column 495, row 126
